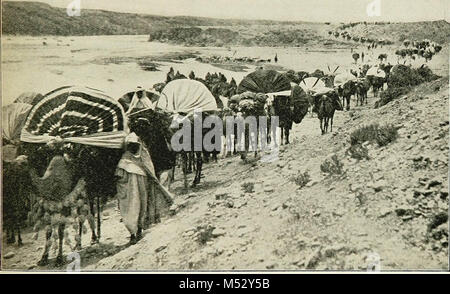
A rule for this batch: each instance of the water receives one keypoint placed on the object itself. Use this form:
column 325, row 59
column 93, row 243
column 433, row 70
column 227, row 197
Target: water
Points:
column 29, row 65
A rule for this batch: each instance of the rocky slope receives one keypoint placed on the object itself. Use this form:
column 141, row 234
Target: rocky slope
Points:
column 389, row 210
column 389, row 206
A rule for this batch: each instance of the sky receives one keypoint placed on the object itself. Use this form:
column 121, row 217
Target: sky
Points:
column 290, row 10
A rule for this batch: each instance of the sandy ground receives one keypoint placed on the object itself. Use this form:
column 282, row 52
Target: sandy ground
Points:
column 339, row 222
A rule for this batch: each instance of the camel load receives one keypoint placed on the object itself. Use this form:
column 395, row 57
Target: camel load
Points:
column 72, row 137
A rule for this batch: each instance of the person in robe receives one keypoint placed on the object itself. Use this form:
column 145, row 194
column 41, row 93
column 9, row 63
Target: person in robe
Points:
column 139, row 101
column 170, row 75
column 133, row 172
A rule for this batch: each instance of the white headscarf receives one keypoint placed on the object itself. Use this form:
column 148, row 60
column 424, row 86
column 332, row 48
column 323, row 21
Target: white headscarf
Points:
column 143, row 102
column 132, row 138
column 139, row 163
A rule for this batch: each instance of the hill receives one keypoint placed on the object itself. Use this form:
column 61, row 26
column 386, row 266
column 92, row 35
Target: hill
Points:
column 250, row 35
column 35, row 18
column 437, row 31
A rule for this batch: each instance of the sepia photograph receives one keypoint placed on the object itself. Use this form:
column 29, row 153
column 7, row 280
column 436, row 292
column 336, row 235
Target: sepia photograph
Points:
column 224, row 136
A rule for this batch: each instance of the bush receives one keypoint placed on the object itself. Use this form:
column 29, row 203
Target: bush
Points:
column 403, row 76
column 391, row 94
column 386, row 135
column 374, row 133
column 332, row 166
column 204, row 234
column 401, row 79
column 302, row 179
column 427, row 74
column 248, row 187
column 358, row 152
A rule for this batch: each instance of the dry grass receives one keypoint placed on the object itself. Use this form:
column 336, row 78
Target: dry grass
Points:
column 302, row 179
column 374, row 133
column 248, row 187
column 332, row 166
column 358, row 152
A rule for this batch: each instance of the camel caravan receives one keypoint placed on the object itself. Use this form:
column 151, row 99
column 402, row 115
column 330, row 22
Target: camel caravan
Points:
column 68, row 152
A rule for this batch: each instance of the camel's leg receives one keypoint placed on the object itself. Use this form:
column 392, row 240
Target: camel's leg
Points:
column 44, row 258
column 59, row 258
column 190, row 166
column 332, row 116
column 19, row 237
column 282, row 136
column 172, row 174
column 321, row 128
column 91, row 220
column 287, row 136
column 80, row 233
column 99, row 219
column 151, row 205
column 184, row 159
column 10, row 236
column 199, row 163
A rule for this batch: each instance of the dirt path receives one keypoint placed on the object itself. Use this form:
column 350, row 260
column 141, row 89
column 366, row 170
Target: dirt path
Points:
column 377, row 208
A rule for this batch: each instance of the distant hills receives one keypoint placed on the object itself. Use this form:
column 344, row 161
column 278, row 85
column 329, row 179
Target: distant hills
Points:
column 37, row 19
column 437, row 31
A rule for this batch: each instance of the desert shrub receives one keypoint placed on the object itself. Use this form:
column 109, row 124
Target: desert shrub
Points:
column 204, row 234
column 386, row 135
column 358, row 152
column 401, row 79
column 332, row 166
column 248, row 187
column 374, row 133
column 426, row 73
column 437, row 220
column 403, row 76
column 302, row 179
column 363, row 134
column 391, row 94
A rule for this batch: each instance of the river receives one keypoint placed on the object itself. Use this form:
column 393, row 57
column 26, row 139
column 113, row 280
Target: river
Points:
column 41, row 64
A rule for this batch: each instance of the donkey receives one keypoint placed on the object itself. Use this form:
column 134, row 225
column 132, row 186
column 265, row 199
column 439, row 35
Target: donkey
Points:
column 325, row 112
